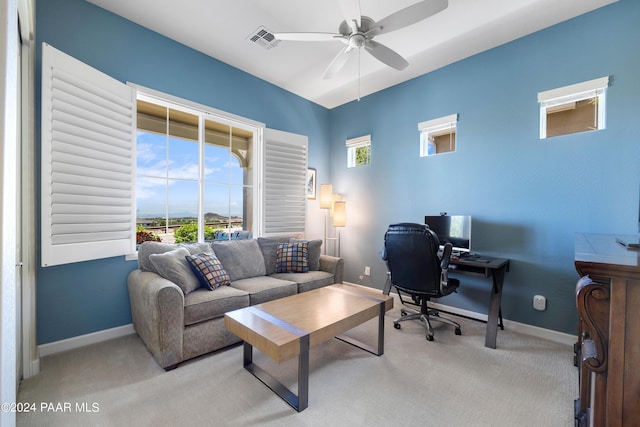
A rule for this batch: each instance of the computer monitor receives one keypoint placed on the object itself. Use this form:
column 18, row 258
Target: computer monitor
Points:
column 454, row 229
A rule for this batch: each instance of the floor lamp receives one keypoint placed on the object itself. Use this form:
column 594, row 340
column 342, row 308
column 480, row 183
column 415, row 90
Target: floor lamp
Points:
column 326, row 202
column 339, row 218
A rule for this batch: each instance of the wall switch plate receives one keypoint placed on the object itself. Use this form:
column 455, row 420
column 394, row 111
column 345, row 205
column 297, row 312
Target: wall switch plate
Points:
column 367, row 271
column 539, row 302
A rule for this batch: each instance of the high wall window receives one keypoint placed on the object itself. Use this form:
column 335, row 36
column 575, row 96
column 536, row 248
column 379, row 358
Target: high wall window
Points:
column 194, row 174
column 438, row 135
column 359, row 151
column 572, row 109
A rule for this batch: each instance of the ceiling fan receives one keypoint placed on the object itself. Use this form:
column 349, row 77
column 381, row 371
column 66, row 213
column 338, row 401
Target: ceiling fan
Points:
column 357, row 31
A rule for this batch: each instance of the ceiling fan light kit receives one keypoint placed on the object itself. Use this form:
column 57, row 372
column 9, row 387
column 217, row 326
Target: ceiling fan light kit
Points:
column 357, row 31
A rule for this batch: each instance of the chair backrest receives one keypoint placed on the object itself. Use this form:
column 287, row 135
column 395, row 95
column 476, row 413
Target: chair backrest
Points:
column 411, row 252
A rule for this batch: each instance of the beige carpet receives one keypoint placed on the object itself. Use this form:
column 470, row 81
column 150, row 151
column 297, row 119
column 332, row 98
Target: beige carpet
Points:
column 452, row 381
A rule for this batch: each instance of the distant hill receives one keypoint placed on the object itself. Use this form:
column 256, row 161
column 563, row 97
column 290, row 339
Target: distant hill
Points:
column 210, row 217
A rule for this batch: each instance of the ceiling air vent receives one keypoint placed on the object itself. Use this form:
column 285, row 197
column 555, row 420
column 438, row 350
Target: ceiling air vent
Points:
column 264, row 38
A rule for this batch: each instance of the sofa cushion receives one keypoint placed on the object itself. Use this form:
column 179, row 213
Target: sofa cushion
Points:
column 269, row 247
column 292, row 258
column 265, row 288
column 208, row 270
column 150, row 248
column 202, row 304
column 173, row 266
column 197, row 248
column 240, row 258
column 307, row 281
column 313, row 257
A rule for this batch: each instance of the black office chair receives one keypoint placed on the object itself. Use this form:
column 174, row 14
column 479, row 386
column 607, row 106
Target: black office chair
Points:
column 414, row 268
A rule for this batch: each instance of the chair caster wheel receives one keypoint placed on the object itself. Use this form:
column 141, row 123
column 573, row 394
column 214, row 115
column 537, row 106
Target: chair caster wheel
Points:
column 403, row 313
column 458, row 331
column 429, row 337
column 396, row 325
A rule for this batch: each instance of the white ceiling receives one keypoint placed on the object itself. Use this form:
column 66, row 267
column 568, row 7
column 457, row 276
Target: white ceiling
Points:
column 221, row 29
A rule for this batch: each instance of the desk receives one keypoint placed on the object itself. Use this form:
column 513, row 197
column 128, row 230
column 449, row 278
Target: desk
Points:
column 609, row 328
column 481, row 266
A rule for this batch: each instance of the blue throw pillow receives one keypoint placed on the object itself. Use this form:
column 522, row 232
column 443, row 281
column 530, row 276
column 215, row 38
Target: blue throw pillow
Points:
column 209, row 270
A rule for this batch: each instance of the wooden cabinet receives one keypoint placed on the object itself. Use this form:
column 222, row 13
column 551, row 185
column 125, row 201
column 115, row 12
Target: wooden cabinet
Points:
column 609, row 332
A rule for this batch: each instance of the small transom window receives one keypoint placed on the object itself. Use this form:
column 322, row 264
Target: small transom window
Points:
column 359, row 151
column 573, row 109
column 438, row 135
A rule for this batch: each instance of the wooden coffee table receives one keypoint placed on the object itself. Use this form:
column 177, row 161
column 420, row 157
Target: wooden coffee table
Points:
column 289, row 327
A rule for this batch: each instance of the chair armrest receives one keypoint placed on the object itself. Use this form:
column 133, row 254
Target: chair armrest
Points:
column 157, row 310
column 333, row 265
column 444, row 266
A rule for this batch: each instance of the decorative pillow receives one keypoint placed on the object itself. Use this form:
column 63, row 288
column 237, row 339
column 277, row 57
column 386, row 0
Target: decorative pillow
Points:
column 149, row 248
column 292, row 258
column 209, row 270
column 315, row 247
column 269, row 247
column 173, row 266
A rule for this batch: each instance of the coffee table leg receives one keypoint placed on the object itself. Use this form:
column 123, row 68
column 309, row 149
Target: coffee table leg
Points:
column 379, row 350
column 299, row 402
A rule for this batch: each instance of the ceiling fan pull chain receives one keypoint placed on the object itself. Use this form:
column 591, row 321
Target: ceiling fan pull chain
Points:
column 359, row 65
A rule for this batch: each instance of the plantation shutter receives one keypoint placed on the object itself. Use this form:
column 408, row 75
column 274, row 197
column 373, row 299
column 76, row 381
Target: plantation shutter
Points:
column 285, row 174
column 88, row 162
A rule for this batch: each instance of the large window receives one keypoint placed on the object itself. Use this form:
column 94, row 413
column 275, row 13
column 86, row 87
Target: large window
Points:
column 185, row 171
column 194, row 174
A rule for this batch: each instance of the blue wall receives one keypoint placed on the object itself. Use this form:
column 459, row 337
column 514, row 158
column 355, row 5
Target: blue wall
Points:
column 91, row 296
column 527, row 196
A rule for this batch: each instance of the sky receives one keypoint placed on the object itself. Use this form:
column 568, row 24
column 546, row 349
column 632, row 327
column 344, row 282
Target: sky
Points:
column 167, row 168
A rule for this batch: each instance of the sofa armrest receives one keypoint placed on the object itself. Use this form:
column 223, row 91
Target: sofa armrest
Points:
column 333, row 265
column 157, row 310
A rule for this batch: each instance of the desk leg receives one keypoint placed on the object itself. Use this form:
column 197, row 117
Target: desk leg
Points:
column 495, row 313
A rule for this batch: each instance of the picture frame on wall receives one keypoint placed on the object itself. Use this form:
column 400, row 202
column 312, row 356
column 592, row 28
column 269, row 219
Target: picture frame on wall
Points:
column 311, row 184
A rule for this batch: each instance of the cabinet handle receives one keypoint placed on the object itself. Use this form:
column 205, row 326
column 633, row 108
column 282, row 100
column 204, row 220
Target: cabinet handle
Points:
column 588, row 350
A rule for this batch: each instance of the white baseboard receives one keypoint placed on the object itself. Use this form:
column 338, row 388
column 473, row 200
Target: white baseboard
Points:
column 536, row 331
column 82, row 340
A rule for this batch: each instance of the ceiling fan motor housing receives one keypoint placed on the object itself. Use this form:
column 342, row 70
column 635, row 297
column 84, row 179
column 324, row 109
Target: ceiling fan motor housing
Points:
column 366, row 24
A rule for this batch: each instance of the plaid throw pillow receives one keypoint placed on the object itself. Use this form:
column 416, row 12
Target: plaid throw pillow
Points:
column 292, row 257
column 209, row 270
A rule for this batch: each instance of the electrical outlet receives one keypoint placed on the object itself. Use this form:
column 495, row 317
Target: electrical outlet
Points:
column 367, row 271
column 539, row 302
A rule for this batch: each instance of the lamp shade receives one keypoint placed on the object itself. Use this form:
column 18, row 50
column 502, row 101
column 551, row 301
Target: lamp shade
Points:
column 340, row 214
column 335, row 198
column 326, row 196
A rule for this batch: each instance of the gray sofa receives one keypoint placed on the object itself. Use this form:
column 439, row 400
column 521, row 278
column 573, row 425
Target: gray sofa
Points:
column 178, row 318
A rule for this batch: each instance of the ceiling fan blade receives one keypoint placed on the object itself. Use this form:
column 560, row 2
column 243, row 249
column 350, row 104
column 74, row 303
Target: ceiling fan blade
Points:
column 408, row 16
column 386, row 55
column 351, row 13
column 308, row 37
column 337, row 63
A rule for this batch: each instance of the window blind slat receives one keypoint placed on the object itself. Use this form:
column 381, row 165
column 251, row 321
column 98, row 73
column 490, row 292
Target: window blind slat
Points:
column 61, row 209
column 90, row 181
column 80, row 200
column 61, row 158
